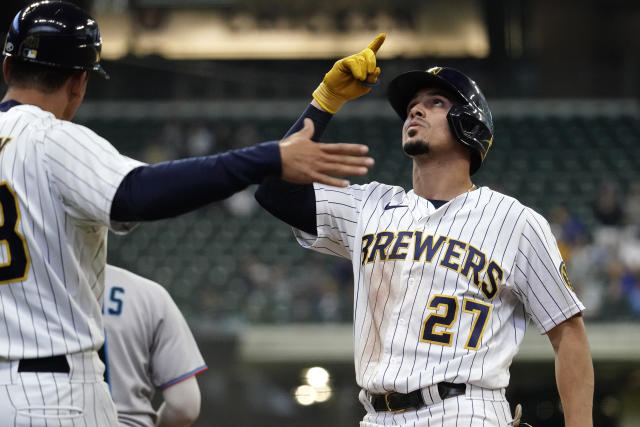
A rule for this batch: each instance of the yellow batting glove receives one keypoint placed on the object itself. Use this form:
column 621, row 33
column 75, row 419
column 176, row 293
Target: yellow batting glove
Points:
column 349, row 78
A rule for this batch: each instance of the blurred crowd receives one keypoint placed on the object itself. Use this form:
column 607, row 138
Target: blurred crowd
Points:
column 290, row 284
column 603, row 259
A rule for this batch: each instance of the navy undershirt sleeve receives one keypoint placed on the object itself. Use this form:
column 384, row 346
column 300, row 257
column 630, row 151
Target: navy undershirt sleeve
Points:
column 293, row 203
column 168, row 189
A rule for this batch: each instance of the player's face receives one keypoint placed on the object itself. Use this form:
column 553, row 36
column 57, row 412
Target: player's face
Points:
column 426, row 127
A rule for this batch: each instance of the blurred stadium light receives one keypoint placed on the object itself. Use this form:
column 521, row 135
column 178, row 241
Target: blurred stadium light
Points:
column 437, row 29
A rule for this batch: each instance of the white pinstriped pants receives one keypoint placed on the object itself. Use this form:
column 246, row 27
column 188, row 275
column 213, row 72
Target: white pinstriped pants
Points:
column 78, row 399
column 477, row 407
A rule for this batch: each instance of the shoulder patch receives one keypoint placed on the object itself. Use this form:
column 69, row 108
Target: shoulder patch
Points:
column 565, row 276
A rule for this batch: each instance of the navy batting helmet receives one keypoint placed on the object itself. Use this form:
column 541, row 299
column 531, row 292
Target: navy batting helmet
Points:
column 57, row 34
column 469, row 118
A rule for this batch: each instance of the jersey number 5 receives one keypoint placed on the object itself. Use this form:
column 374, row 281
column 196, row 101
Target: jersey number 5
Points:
column 479, row 310
column 14, row 257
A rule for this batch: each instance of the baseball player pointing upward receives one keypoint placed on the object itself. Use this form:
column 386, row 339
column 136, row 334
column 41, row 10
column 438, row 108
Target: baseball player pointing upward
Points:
column 446, row 275
column 61, row 188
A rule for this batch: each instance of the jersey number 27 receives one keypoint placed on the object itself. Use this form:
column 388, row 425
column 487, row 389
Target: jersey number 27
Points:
column 436, row 327
column 14, row 256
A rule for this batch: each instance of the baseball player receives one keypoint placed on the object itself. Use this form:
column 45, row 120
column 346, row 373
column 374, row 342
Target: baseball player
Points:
column 446, row 275
column 149, row 347
column 62, row 187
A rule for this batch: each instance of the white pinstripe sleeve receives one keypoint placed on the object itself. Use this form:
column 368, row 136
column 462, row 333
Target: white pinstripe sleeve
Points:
column 337, row 212
column 540, row 275
column 86, row 171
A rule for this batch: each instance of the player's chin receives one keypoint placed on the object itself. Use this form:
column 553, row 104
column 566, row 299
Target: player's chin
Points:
column 415, row 147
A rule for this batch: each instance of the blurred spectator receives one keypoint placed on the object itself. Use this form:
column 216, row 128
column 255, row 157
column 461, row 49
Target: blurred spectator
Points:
column 629, row 247
column 224, row 136
column 200, row 140
column 246, row 134
column 615, row 304
column 632, row 204
column 607, row 209
column 568, row 230
column 629, row 282
column 242, row 204
column 330, row 302
column 172, row 140
column 588, row 271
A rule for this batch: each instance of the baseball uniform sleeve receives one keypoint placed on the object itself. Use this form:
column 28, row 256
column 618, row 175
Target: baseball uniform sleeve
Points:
column 540, row 276
column 337, row 214
column 85, row 170
column 174, row 353
column 294, row 203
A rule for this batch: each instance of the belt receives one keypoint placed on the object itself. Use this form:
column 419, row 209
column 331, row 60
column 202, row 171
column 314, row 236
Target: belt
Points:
column 44, row 364
column 399, row 402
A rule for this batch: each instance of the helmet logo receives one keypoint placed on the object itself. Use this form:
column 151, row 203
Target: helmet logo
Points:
column 29, row 47
column 434, row 70
column 31, row 42
column 8, row 47
column 489, row 142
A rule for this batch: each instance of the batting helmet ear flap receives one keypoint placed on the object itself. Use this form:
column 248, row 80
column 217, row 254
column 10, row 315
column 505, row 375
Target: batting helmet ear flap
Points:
column 468, row 130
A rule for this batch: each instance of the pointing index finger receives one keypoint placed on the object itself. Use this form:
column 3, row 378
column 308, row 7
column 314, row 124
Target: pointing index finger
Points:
column 377, row 42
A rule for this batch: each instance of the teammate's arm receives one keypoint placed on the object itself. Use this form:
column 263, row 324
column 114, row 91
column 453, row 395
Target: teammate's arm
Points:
column 349, row 78
column 181, row 406
column 171, row 188
column 574, row 371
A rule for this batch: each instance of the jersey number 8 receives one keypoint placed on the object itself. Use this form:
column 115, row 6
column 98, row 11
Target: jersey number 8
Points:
column 14, row 257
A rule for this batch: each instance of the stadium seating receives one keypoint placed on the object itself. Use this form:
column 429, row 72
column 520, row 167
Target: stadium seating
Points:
column 205, row 258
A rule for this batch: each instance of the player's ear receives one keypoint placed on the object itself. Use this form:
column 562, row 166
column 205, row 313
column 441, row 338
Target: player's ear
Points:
column 6, row 69
column 74, row 89
column 78, row 83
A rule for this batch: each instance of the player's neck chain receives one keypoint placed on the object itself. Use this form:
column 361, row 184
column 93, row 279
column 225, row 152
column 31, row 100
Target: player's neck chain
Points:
column 473, row 187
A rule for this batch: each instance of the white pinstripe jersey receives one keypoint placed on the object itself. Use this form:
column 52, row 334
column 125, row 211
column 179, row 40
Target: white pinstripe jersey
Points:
column 441, row 294
column 57, row 182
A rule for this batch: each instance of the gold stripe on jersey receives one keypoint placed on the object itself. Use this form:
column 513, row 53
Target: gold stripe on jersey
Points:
column 4, row 140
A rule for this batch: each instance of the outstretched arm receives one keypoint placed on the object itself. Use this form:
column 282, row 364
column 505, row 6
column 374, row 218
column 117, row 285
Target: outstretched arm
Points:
column 349, row 78
column 172, row 188
column 574, row 371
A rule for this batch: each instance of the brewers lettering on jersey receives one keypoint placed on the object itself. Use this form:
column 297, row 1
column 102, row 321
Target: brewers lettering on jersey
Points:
column 62, row 187
column 446, row 275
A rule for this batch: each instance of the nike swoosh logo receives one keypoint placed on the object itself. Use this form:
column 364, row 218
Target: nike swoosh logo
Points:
column 390, row 206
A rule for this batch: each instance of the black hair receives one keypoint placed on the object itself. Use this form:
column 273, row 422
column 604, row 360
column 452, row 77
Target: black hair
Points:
column 45, row 78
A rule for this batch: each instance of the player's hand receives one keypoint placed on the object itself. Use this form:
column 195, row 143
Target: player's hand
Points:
column 305, row 161
column 349, row 78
